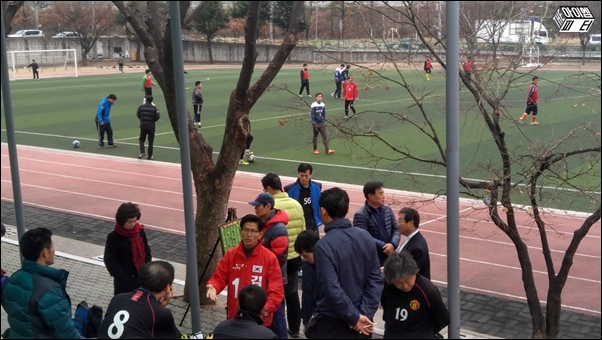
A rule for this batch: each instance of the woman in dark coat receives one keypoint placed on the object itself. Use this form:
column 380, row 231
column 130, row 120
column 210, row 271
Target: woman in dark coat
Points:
column 126, row 250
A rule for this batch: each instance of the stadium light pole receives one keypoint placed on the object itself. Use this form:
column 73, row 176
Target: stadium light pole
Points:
column 452, row 153
column 191, row 258
column 10, row 136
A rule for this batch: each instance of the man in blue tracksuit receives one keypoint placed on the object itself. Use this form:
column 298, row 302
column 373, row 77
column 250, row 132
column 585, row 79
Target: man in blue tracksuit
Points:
column 337, row 81
column 103, row 121
column 350, row 282
column 307, row 192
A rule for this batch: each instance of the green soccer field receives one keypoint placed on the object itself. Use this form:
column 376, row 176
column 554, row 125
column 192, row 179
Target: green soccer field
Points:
column 54, row 112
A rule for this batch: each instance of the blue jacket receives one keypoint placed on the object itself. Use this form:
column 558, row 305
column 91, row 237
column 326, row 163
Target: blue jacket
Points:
column 103, row 113
column 364, row 218
column 315, row 190
column 350, row 282
column 337, row 75
column 318, row 112
column 37, row 304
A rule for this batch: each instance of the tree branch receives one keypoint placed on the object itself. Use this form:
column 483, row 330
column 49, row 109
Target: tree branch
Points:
column 136, row 24
column 287, row 46
column 186, row 20
column 248, row 63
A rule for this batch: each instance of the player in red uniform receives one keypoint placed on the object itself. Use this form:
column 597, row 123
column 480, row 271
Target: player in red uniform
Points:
column 350, row 94
column 532, row 95
column 304, row 74
column 428, row 66
column 248, row 263
column 468, row 68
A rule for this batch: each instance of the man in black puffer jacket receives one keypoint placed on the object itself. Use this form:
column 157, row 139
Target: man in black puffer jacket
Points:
column 148, row 114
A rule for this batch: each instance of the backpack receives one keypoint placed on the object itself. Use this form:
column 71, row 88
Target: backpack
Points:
column 87, row 320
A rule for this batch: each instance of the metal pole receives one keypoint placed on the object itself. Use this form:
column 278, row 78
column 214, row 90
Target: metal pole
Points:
column 10, row 136
column 191, row 259
column 316, row 20
column 452, row 128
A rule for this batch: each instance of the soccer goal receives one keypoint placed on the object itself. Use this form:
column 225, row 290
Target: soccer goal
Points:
column 530, row 56
column 52, row 63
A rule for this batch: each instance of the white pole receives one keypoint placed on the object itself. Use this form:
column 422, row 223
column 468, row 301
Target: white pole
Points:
column 12, row 53
column 75, row 60
column 94, row 51
column 316, row 20
column 35, row 15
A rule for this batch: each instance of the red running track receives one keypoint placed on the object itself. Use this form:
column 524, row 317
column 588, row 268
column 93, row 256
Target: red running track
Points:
column 95, row 185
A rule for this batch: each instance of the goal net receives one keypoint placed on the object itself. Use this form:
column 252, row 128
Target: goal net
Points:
column 52, row 63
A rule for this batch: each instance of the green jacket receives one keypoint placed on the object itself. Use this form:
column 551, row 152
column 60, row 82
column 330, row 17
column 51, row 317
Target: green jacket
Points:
column 37, row 304
column 296, row 220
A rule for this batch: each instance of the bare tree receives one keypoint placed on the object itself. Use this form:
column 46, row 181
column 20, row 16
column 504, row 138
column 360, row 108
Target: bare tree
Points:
column 212, row 180
column 89, row 23
column 9, row 9
column 515, row 172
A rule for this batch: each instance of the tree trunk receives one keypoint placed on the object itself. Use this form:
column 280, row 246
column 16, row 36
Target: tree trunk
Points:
column 583, row 56
column 10, row 8
column 553, row 309
column 210, row 50
column 537, row 318
column 84, row 57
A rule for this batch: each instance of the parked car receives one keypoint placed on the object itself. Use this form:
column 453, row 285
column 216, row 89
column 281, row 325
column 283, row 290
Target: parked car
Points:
column 67, row 35
column 27, row 34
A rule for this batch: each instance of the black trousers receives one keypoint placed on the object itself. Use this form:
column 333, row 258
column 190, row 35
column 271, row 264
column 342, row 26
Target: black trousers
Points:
column 147, row 131
column 148, row 91
column 102, row 129
column 247, row 145
column 36, row 74
column 291, row 295
column 349, row 104
column 326, row 327
column 337, row 92
column 304, row 85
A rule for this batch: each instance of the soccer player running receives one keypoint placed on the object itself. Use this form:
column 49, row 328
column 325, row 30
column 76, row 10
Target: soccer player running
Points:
column 350, row 94
column 532, row 95
column 318, row 116
column 304, row 81
column 120, row 63
column 428, row 66
column 337, row 81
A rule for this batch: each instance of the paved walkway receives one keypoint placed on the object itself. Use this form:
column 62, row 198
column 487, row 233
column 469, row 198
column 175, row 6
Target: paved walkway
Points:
column 481, row 316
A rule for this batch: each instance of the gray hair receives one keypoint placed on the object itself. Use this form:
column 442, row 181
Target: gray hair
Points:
column 400, row 265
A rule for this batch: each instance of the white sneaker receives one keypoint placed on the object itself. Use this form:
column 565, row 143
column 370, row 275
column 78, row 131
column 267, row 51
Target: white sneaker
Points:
column 300, row 96
column 534, row 123
column 520, row 120
column 308, row 96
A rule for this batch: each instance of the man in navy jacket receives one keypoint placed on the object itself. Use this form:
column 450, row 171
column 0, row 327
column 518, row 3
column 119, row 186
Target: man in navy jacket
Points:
column 349, row 278
column 307, row 192
column 379, row 220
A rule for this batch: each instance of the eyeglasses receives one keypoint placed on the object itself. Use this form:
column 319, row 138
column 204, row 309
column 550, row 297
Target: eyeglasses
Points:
column 249, row 231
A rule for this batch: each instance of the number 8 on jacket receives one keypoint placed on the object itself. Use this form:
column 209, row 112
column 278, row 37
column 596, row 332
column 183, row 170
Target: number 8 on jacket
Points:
column 116, row 328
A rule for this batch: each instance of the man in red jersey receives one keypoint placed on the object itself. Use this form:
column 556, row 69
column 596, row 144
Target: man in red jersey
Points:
column 468, row 68
column 532, row 95
column 304, row 81
column 249, row 263
column 350, row 94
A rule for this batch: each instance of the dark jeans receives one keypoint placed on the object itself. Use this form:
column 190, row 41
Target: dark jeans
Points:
column 337, row 92
column 102, row 129
column 304, row 85
column 326, row 327
column 320, row 129
column 197, row 112
column 36, row 74
column 291, row 295
column 144, row 132
column 278, row 325
column 247, row 145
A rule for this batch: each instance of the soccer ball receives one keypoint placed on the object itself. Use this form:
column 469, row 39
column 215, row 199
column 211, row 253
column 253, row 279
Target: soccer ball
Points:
column 251, row 158
column 75, row 144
